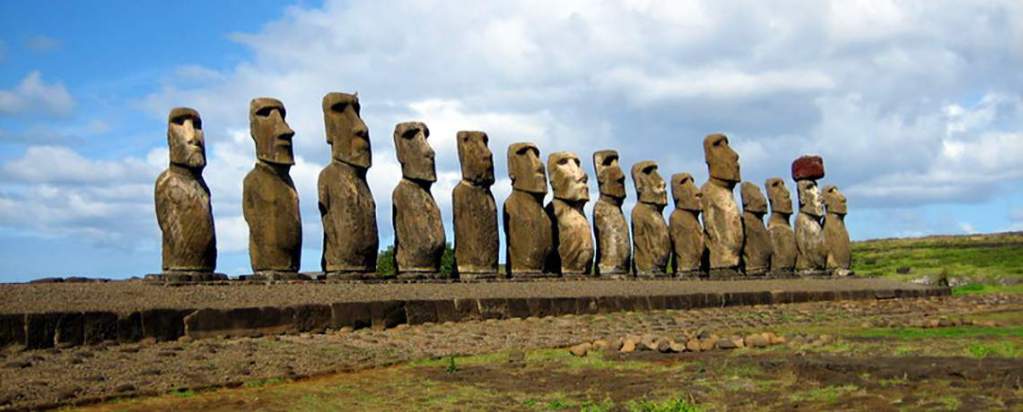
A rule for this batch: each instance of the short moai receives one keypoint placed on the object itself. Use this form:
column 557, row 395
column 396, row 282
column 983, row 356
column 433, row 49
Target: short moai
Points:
column 756, row 249
column 183, row 208
column 836, row 237
column 418, row 228
column 650, row 239
column 722, row 223
column 269, row 199
column 573, row 241
column 783, row 239
column 812, row 254
column 614, row 248
column 527, row 227
column 475, row 211
column 688, row 250
column 347, row 208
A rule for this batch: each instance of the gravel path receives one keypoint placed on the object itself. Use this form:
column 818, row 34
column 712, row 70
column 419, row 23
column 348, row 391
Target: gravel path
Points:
column 127, row 296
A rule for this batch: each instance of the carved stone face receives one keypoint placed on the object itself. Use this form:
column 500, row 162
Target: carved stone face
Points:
column 185, row 138
column 810, row 198
column 414, row 153
column 347, row 135
column 687, row 196
column 525, row 168
column 610, row 177
column 722, row 161
column 270, row 132
column 475, row 157
column 752, row 199
column 834, row 200
column 649, row 184
column 568, row 180
column 778, row 194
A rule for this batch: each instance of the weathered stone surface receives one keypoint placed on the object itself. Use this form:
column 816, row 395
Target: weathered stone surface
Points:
column 475, row 211
column 347, row 208
column 722, row 223
column 528, row 237
column 164, row 324
column 183, row 208
column 418, row 229
column 269, row 199
column 99, row 327
column 836, row 237
column 813, row 253
column 573, row 242
column 651, row 242
column 808, row 167
column 684, row 226
column 12, row 329
column 614, row 248
column 783, row 239
column 756, row 251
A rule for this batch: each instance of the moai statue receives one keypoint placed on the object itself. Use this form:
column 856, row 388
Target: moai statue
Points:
column 836, row 237
column 573, row 242
column 418, row 229
column 527, row 228
column 183, row 207
column 650, row 238
column 476, row 238
column 722, row 223
column 614, row 248
column 347, row 209
column 756, row 252
column 812, row 253
column 783, row 240
column 269, row 199
column 684, row 226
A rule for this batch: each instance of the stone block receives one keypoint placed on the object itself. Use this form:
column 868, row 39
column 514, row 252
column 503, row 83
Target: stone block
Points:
column 164, row 324
column 468, row 309
column 355, row 315
column 70, row 330
column 587, row 305
column 387, row 314
column 311, row 318
column 519, row 308
column 40, row 329
column 420, row 311
column 563, row 306
column 446, row 311
column 12, row 330
column 493, row 308
column 540, row 307
column 129, row 327
column 99, row 327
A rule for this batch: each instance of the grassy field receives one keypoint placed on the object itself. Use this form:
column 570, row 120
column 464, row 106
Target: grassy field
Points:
column 986, row 263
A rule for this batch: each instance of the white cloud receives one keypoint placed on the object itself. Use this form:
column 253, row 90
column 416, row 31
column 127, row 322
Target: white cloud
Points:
column 967, row 228
column 34, row 95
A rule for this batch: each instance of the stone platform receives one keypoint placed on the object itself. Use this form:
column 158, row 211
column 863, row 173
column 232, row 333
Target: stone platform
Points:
column 70, row 314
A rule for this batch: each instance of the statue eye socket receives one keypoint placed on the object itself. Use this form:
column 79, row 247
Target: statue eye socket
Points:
column 339, row 107
column 563, row 161
column 265, row 111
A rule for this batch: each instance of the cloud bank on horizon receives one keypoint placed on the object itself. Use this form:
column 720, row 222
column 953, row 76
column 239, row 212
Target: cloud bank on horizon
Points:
column 916, row 107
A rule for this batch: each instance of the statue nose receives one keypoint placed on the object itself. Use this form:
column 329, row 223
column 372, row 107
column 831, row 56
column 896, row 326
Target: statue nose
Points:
column 360, row 129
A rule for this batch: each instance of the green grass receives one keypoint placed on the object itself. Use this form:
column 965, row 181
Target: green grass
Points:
column 263, row 382
column 997, row 349
column 982, row 258
column 951, row 332
column 980, row 288
column 670, row 405
column 827, row 394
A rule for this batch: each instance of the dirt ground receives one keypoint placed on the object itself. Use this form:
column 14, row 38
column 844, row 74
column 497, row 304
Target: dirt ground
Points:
column 878, row 357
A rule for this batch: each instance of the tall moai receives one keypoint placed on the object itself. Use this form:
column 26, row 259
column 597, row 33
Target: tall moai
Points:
column 183, row 208
column 347, row 208
column 527, row 227
column 757, row 249
column 614, row 248
column 783, row 239
column 269, row 199
column 812, row 255
column 573, row 242
column 476, row 237
column 684, row 226
column 836, row 237
column 722, row 223
column 418, row 228
column 650, row 239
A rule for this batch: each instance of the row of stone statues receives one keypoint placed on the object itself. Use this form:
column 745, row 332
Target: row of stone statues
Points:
column 540, row 240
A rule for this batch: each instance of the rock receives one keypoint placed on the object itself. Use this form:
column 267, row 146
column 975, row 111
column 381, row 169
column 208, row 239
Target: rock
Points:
column 649, row 342
column 17, row 364
column 722, row 222
column 418, row 229
column 726, row 344
column 628, row 346
column 475, row 211
column 676, row 347
column 527, row 226
column 684, row 226
column 709, row 343
column 124, row 387
column 693, row 345
column 665, row 346
column 601, row 344
column 650, row 238
column 614, row 248
column 757, row 341
column 573, row 241
column 580, row 350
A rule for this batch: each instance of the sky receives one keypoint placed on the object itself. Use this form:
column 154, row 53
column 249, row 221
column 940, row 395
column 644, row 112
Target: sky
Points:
column 915, row 106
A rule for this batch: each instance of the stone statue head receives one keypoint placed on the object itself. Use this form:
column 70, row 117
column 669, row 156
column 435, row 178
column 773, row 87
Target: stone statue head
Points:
column 525, row 168
column 778, row 194
column 475, row 157
column 810, row 198
column 610, row 177
column 568, row 180
column 752, row 199
column 649, row 184
column 270, row 132
column 185, row 138
column 414, row 153
column 687, row 196
column 834, row 200
column 722, row 161
column 347, row 135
